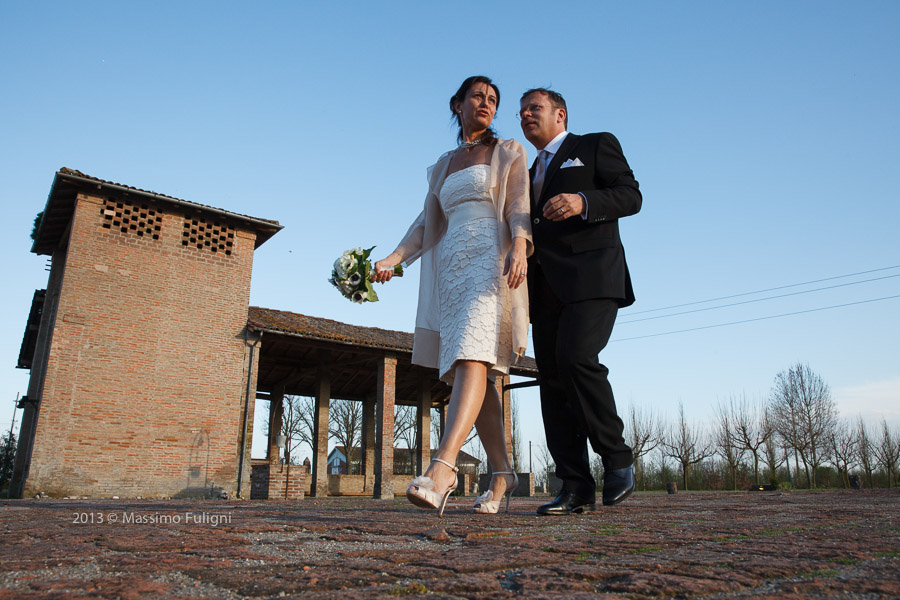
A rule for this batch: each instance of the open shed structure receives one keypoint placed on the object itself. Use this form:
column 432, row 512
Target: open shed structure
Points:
column 325, row 359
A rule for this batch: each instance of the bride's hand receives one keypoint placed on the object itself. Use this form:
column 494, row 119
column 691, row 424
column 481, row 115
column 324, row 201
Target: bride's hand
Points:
column 516, row 266
column 384, row 268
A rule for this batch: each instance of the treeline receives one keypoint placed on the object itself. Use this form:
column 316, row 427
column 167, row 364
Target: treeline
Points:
column 794, row 438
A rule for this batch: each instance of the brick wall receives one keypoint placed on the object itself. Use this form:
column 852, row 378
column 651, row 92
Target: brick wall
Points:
column 278, row 482
column 145, row 380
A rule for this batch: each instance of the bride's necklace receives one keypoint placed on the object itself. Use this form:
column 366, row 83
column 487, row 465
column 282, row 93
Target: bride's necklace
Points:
column 468, row 145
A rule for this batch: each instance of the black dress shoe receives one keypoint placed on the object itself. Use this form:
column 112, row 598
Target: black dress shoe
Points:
column 567, row 503
column 617, row 485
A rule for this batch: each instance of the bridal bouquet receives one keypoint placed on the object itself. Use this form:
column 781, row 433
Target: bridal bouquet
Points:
column 351, row 272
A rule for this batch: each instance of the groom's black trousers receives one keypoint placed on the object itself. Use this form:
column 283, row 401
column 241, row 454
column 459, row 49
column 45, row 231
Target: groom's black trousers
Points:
column 577, row 400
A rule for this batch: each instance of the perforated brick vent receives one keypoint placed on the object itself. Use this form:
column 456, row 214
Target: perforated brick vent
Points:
column 208, row 235
column 140, row 220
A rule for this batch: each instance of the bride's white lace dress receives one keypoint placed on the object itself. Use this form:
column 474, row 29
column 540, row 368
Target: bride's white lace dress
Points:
column 476, row 314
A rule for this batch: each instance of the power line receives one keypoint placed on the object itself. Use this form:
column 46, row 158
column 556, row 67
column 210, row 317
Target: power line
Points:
column 829, row 287
column 783, row 287
column 800, row 312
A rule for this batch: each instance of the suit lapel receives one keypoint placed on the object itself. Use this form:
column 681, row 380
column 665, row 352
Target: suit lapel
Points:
column 559, row 158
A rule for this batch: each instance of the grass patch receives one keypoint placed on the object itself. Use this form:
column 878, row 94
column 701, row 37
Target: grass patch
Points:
column 888, row 554
column 583, row 556
column 417, row 587
column 646, row 549
column 820, row 573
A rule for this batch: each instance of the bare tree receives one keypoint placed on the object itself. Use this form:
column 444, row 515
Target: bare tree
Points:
column 405, row 433
column 405, row 425
column 345, row 428
column 725, row 441
column 686, row 444
column 771, row 448
column 476, row 450
column 805, row 412
column 546, row 466
column 515, row 433
column 752, row 429
column 784, row 408
column 436, row 431
column 865, row 451
column 844, row 445
column 296, row 425
column 887, row 452
column 643, row 433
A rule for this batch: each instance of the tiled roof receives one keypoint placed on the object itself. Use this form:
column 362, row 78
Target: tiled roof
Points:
column 68, row 183
column 280, row 321
column 79, row 174
column 295, row 324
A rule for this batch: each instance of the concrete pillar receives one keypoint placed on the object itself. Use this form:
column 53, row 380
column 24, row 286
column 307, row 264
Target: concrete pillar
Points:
column 320, row 433
column 368, row 444
column 423, row 427
column 384, row 435
column 276, row 421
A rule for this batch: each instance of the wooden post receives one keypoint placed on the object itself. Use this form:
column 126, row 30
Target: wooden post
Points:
column 384, row 437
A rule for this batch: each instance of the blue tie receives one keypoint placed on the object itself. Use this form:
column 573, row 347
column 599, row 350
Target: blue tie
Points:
column 539, row 171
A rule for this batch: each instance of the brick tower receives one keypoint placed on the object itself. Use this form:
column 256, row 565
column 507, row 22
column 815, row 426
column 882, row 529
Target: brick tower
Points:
column 139, row 369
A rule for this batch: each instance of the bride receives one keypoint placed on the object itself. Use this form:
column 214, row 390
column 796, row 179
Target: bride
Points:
column 473, row 237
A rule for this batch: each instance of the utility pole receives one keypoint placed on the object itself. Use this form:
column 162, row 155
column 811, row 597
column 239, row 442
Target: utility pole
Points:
column 530, row 470
column 15, row 408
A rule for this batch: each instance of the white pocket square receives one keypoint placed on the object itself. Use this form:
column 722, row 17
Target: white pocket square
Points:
column 572, row 163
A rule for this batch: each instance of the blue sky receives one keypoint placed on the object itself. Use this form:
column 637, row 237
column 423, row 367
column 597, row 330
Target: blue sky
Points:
column 764, row 136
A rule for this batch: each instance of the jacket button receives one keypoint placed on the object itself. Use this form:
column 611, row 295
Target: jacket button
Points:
column 536, row 221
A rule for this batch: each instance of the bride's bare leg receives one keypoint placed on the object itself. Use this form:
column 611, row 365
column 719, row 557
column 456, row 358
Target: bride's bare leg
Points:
column 469, row 384
column 490, row 431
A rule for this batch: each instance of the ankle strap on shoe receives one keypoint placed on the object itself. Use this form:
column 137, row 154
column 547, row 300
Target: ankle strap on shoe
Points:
column 454, row 467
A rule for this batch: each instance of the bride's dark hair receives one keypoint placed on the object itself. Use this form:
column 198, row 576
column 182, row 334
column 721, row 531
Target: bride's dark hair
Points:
column 489, row 135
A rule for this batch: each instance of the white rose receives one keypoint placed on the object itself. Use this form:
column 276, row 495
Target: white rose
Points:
column 344, row 265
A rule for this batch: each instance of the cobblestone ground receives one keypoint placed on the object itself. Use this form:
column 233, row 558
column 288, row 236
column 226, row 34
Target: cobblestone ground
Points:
column 825, row 544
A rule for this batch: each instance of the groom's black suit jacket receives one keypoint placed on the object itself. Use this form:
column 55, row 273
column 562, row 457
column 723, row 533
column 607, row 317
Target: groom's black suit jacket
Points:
column 584, row 259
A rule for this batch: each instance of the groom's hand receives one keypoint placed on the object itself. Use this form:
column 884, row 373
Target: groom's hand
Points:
column 564, row 206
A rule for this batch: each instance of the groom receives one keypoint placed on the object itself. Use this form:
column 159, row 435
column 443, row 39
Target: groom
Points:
column 577, row 281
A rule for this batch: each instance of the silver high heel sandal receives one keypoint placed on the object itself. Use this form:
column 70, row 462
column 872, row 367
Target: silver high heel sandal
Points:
column 485, row 503
column 421, row 491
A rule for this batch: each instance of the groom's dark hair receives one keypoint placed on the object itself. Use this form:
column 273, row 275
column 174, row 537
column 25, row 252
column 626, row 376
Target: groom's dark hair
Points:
column 556, row 99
